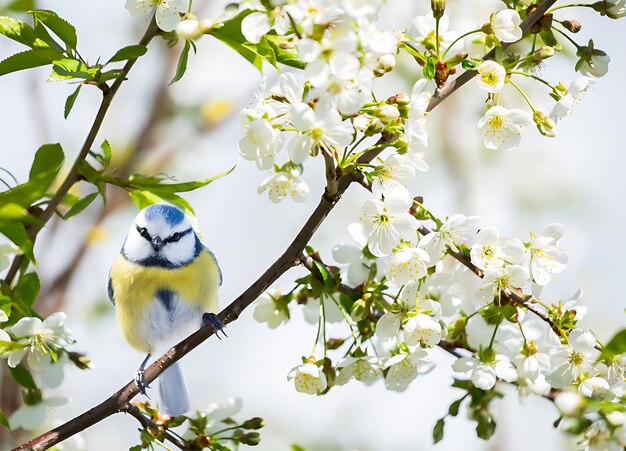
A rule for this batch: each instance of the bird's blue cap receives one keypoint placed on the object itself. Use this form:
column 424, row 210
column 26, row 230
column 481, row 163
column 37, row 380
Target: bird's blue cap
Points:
column 172, row 215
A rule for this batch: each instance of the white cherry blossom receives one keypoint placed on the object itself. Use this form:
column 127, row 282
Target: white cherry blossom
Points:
column 328, row 55
column 546, row 258
column 260, row 143
column 267, row 311
column 491, row 252
column 575, row 93
column 506, row 25
column 351, row 254
column 167, row 13
column 423, row 29
column 366, row 369
column 394, row 171
column 502, row 128
column 282, row 184
column 571, row 361
column 322, row 126
column 496, row 280
column 483, row 375
column 404, row 368
column 33, row 416
column 456, row 230
column 308, row 378
column 388, row 222
column 597, row 67
column 491, row 76
column 407, row 264
column 422, row 329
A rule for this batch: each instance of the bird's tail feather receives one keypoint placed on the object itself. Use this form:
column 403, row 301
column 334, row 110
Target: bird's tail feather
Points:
column 173, row 391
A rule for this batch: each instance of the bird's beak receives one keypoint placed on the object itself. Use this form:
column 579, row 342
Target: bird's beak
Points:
column 157, row 243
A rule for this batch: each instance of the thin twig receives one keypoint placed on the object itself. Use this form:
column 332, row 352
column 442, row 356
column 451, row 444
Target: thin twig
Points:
column 147, row 423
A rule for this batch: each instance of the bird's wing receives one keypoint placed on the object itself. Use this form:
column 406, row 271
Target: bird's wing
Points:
column 219, row 270
column 110, row 291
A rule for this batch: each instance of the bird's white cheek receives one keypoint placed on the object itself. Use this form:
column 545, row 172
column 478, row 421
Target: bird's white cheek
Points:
column 136, row 248
column 181, row 251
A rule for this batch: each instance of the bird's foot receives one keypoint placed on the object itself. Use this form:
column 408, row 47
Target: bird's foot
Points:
column 140, row 382
column 211, row 319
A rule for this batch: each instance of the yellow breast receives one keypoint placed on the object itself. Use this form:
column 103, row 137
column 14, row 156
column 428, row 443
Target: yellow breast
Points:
column 134, row 289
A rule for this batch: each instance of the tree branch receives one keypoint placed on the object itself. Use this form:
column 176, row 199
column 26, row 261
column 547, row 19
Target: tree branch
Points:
column 147, row 423
column 119, row 400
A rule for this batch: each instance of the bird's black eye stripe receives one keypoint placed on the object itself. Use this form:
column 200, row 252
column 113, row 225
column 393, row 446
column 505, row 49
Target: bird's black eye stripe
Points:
column 144, row 233
column 174, row 237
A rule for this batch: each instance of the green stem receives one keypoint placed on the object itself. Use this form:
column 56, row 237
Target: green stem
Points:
column 574, row 43
column 346, row 317
column 437, row 35
column 323, row 318
column 522, row 93
column 478, row 30
column 571, row 5
column 495, row 330
column 534, row 77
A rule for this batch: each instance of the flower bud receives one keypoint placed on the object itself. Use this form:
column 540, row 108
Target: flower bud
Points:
column 387, row 113
column 360, row 310
column 189, row 29
column 438, row 7
column 250, row 439
column 572, row 25
column 543, row 52
column 545, row 124
column 253, row 423
column 386, row 63
column 361, row 122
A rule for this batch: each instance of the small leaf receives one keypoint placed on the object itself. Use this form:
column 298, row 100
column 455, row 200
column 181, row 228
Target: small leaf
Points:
column 28, row 59
column 143, row 199
column 28, row 288
column 182, row 63
column 16, row 232
column 167, row 188
column 46, row 165
column 107, row 152
column 19, row 31
column 80, row 206
column 23, row 377
column 69, row 103
column 130, row 52
column 59, row 26
column 438, row 430
column 3, row 420
column 429, row 69
column 616, row 346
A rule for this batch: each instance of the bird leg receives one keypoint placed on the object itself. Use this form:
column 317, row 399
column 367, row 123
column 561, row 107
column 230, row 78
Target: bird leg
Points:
column 140, row 377
column 211, row 319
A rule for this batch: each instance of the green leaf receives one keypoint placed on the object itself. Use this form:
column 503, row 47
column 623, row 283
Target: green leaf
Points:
column 68, row 68
column 23, row 377
column 143, row 199
column 486, row 427
column 429, row 69
column 28, row 288
column 79, row 206
column 107, row 152
column 20, row 6
column 438, row 430
column 230, row 34
column 14, row 212
column 153, row 184
column 130, row 52
column 285, row 52
column 10, row 346
column 47, row 164
column 27, row 60
column 182, row 63
column 69, row 103
column 59, row 26
column 20, row 32
column 16, row 232
column 3, row 420
column 616, row 346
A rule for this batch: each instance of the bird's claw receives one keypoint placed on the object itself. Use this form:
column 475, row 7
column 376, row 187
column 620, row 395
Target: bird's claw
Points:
column 140, row 382
column 211, row 319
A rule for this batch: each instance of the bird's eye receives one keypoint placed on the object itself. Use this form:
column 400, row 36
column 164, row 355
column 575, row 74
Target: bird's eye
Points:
column 175, row 237
column 144, row 233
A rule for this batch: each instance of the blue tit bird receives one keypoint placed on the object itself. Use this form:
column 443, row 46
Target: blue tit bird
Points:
column 164, row 285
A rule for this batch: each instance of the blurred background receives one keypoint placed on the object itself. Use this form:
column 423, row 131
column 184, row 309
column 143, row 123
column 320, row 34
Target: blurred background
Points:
column 191, row 130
